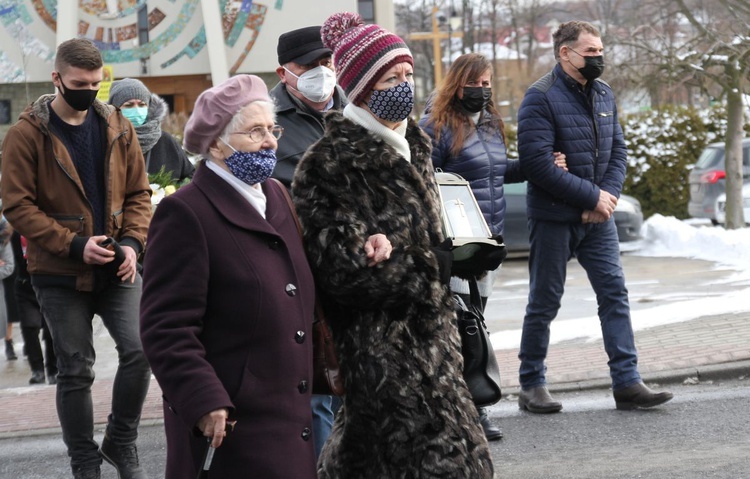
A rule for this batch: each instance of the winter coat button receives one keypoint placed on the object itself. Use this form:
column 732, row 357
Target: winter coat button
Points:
column 273, row 244
column 299, row 337
column 306, row 433
column 302, row 386
column 291, row 289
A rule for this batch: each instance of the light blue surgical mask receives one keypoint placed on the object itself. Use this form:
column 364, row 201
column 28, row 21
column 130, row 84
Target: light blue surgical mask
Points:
column 137, row 114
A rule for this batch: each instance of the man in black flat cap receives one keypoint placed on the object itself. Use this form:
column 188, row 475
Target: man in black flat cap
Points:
column 306, row 91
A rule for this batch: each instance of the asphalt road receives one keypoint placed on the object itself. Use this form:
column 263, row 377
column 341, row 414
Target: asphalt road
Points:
column 702, row 433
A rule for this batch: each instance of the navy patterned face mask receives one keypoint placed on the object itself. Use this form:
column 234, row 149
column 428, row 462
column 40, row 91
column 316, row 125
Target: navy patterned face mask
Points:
column 393, row 104
column 251, row 167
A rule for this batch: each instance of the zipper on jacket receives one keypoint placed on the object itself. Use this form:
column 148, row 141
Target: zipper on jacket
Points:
column 107, row 156
column 592, row 108
column 83, row 193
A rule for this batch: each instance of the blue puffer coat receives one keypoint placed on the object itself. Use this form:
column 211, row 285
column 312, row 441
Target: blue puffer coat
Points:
column 558, row 114
column 483, row 162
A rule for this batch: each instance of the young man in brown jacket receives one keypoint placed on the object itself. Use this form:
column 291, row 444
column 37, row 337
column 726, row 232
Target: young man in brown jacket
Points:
column 73, row 175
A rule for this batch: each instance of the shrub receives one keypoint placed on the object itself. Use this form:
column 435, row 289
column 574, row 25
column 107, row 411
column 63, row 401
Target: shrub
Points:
column 662, row 147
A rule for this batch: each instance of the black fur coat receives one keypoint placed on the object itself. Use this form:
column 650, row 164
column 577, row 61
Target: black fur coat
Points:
column 407, row 412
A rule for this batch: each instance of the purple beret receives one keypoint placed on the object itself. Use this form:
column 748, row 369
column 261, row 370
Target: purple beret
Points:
column 216, row 107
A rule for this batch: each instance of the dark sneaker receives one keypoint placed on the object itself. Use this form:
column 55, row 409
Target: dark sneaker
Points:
column 37, row 377
column 52, row 379
column 124, row 457
column 94, row 473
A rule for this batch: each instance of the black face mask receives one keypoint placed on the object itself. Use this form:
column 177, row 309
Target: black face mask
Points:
column 80, row 100
column 593, row 68
column 475, row 98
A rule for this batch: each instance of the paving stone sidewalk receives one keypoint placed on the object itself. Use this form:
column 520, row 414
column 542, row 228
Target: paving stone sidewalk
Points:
column 669, row 353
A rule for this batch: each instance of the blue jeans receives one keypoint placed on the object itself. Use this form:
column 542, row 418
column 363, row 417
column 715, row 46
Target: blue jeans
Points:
column 597, row 249
column 69, row 315
column 323, row 411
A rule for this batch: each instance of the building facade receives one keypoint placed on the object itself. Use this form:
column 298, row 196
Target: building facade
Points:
column 178, row 48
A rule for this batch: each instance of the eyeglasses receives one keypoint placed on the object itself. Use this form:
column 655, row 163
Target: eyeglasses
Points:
column 259, row 133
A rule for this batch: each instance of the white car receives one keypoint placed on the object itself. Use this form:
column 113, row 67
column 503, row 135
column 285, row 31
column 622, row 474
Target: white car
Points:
column 721, row 205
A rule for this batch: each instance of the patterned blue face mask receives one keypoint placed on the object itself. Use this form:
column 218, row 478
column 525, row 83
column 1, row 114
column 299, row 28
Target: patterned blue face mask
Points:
column 393, row 104
column 251, row 167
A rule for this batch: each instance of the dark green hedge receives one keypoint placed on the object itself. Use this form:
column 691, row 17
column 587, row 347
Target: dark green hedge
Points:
column 662, row 146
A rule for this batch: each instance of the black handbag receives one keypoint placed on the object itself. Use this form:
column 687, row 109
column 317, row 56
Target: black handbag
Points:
column 481, row 371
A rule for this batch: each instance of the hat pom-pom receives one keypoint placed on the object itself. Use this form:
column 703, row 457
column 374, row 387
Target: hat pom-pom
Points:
column 335, row 26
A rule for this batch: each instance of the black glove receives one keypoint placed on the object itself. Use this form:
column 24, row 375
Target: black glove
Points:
column 444, row 259
column 113, row 266
column 473, row 259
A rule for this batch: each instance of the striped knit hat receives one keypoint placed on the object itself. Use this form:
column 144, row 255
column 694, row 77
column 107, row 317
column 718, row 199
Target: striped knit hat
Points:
column 361, row 53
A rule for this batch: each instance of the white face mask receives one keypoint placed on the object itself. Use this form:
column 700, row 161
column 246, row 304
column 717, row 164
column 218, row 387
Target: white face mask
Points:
column 316, row 85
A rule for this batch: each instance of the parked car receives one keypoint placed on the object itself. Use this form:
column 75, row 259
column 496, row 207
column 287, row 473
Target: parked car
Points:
column 707, row 179
column 721, row 205
column 628, row 219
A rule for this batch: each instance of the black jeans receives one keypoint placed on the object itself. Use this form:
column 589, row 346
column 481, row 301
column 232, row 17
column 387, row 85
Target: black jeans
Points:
column 69, row 315
column 32, row 321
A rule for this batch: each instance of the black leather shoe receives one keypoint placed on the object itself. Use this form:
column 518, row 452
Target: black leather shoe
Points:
column 638, row 396
column 538, row 400
column 10, row 352
column 37, row 377
column 491, row 432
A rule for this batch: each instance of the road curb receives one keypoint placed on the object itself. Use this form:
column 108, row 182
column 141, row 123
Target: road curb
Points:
column 709, row 372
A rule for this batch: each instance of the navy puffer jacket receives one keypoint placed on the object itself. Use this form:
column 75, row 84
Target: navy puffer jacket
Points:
column 558, row 114
column 483, row 162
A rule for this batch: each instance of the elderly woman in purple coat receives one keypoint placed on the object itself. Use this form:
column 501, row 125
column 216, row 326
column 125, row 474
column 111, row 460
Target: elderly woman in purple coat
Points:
column 228, row 299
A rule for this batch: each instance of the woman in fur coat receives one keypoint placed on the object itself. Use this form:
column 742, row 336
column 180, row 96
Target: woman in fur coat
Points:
column 407, row 411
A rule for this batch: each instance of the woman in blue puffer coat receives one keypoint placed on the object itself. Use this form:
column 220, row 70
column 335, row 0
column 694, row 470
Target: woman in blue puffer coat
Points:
column 468, row 139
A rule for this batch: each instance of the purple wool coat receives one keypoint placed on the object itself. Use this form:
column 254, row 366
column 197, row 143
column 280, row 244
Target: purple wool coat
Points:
column 226, row 321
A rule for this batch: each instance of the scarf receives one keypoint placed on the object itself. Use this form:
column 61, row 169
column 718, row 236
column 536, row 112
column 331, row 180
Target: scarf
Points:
column 395, row 138
column 150, row 132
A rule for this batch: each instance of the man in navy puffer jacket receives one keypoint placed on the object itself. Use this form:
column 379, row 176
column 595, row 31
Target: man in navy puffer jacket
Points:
column 570, row 213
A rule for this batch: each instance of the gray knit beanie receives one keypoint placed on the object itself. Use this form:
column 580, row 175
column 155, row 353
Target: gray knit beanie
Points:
column 128, row 89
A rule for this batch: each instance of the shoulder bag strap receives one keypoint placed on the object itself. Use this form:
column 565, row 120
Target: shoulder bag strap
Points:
column 288, row 197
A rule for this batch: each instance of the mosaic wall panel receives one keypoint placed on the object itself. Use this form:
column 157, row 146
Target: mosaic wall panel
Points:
column 176, row 35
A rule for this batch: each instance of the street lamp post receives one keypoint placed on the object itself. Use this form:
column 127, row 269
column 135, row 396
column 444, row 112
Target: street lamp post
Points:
column 454, row 23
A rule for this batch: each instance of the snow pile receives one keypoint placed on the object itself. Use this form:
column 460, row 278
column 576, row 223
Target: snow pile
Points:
column 668, row 237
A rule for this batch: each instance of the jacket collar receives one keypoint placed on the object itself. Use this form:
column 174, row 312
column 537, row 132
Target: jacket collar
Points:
column 285, row 101
column 231, row 205
column 40, row 109
column 596, row 85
